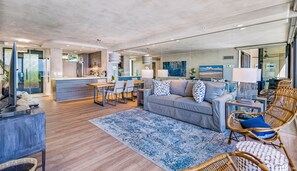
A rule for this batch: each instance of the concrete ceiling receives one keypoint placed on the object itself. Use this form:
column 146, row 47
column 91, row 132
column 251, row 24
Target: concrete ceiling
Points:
column 132, row 23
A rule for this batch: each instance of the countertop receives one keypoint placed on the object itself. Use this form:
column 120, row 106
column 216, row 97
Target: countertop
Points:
column 78, row 78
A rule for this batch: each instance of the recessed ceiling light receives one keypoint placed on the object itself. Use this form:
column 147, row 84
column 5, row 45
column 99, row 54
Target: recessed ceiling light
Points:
column 242, row 28
column 24, row 40
column 172, row 39
column 79, row 49
column 148, row 43
column 239, row 25
column 177, row 40
column 68, row 45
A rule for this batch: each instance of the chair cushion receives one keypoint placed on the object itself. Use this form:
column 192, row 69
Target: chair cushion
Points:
column 161, row 88
column 188, row 103
column 198, row 91
column 178, row 87
column 189, row 88
column 258, row 122
column 163, row 100
column 213, row 91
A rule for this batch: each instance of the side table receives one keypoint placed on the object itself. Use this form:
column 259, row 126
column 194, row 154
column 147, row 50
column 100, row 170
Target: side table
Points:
column 230, row 103
column 141, row 94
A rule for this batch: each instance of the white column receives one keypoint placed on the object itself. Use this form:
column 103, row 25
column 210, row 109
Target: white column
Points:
column 56, row 63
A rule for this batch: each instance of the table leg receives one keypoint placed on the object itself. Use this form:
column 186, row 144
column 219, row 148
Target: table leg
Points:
column 103, row 96
column 43, row 159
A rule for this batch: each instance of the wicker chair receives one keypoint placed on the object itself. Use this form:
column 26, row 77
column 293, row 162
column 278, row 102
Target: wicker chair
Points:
column 281, row 112
column 224, row 162
column 269, row 94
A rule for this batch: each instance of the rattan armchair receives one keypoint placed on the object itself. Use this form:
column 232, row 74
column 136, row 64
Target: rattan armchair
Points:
column 281, row 112
column 224, row 162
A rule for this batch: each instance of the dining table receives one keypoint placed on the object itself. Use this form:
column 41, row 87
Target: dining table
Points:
column 103, row 86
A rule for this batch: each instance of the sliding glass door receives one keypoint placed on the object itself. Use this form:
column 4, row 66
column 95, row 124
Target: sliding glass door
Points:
column 31, row 67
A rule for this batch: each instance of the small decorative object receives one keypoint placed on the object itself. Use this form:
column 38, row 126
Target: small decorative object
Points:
column 192, row 72
column 112, row 79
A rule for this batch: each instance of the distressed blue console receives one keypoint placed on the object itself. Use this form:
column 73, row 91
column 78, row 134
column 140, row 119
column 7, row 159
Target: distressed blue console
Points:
column 22, row 135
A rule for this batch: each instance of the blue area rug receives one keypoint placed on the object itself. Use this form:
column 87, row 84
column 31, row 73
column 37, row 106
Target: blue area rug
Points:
column 169, row 143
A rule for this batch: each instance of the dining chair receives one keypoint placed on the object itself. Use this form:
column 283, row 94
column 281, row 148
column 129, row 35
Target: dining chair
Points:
column 129, row 89
column 115, row 92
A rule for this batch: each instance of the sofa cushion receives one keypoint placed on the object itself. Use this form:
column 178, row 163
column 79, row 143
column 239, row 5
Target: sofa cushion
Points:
column 213, row 90
column 199, row 91
column 163, row 100
column 189, row 88
column 178, row 87
column 188, row 103
column 161, row 88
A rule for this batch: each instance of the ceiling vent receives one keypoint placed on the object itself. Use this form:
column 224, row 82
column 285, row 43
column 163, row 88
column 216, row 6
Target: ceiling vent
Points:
column 228, row 57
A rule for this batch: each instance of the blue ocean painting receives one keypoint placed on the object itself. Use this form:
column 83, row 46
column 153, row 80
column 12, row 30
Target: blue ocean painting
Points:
column 176, row 68
column 211, row 71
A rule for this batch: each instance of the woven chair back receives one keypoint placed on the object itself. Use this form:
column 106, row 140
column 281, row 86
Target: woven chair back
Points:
column 283, row 109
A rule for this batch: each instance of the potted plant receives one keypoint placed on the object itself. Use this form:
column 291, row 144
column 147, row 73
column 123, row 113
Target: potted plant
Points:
column 192, row 72
column 5, row 79
column 112, row 79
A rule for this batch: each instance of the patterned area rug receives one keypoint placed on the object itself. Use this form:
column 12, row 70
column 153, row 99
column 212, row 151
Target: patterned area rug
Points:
column 169, row 143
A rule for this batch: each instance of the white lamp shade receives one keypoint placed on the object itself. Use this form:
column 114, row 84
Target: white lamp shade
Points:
column 114, row 57
column 147, row 59
column 147, row 73
column 259, row 75
column 162, row 73
column 246, row 75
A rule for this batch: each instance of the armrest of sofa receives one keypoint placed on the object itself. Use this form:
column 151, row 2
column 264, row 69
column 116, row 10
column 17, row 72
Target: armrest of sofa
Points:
column 146, row 93
column 218, row 110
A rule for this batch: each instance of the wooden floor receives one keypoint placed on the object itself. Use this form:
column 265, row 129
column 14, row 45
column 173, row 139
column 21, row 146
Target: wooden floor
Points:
column 73, row 143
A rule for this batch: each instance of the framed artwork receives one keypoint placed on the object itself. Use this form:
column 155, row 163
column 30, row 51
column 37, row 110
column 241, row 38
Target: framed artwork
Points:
column 176, row 68
column 211, row 72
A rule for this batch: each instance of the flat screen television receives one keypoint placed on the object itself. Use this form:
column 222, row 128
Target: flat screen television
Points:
column 10, row 101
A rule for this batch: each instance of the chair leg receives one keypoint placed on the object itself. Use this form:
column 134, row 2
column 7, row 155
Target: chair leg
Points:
column 285, row 150
column 230, row 137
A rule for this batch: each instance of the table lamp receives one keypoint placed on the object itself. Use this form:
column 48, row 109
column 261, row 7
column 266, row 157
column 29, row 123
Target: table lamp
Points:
column 147, row 75
column 162, row 73
column 247, row 78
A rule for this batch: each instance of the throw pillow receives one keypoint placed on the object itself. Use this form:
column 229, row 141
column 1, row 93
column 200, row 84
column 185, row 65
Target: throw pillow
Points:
column 258, row 122
column 213, row 90
column 178, row 87
column 199, row 91
column 189, row 88
column 161, row 88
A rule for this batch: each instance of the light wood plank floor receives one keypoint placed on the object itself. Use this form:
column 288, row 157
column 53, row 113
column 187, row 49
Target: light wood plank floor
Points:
column 73, row 143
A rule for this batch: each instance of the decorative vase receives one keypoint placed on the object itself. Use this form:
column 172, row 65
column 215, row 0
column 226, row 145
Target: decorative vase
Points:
column 192, row 77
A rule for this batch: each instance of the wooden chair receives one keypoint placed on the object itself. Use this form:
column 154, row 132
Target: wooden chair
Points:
column 281, row 112
column 224, row 162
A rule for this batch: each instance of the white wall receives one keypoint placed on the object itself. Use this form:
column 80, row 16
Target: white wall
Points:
column 205, row 57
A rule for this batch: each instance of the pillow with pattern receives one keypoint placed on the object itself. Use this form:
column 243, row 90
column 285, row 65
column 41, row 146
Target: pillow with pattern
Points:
column 198, row 91
column 161, row 88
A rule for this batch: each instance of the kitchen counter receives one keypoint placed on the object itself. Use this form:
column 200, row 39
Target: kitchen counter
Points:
column 78, row 78
column 73, row 88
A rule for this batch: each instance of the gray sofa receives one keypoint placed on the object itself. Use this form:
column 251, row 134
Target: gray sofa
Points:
column 182, row 106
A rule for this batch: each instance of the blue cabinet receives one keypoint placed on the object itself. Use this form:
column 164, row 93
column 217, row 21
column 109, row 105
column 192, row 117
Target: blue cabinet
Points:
column 22, row 135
